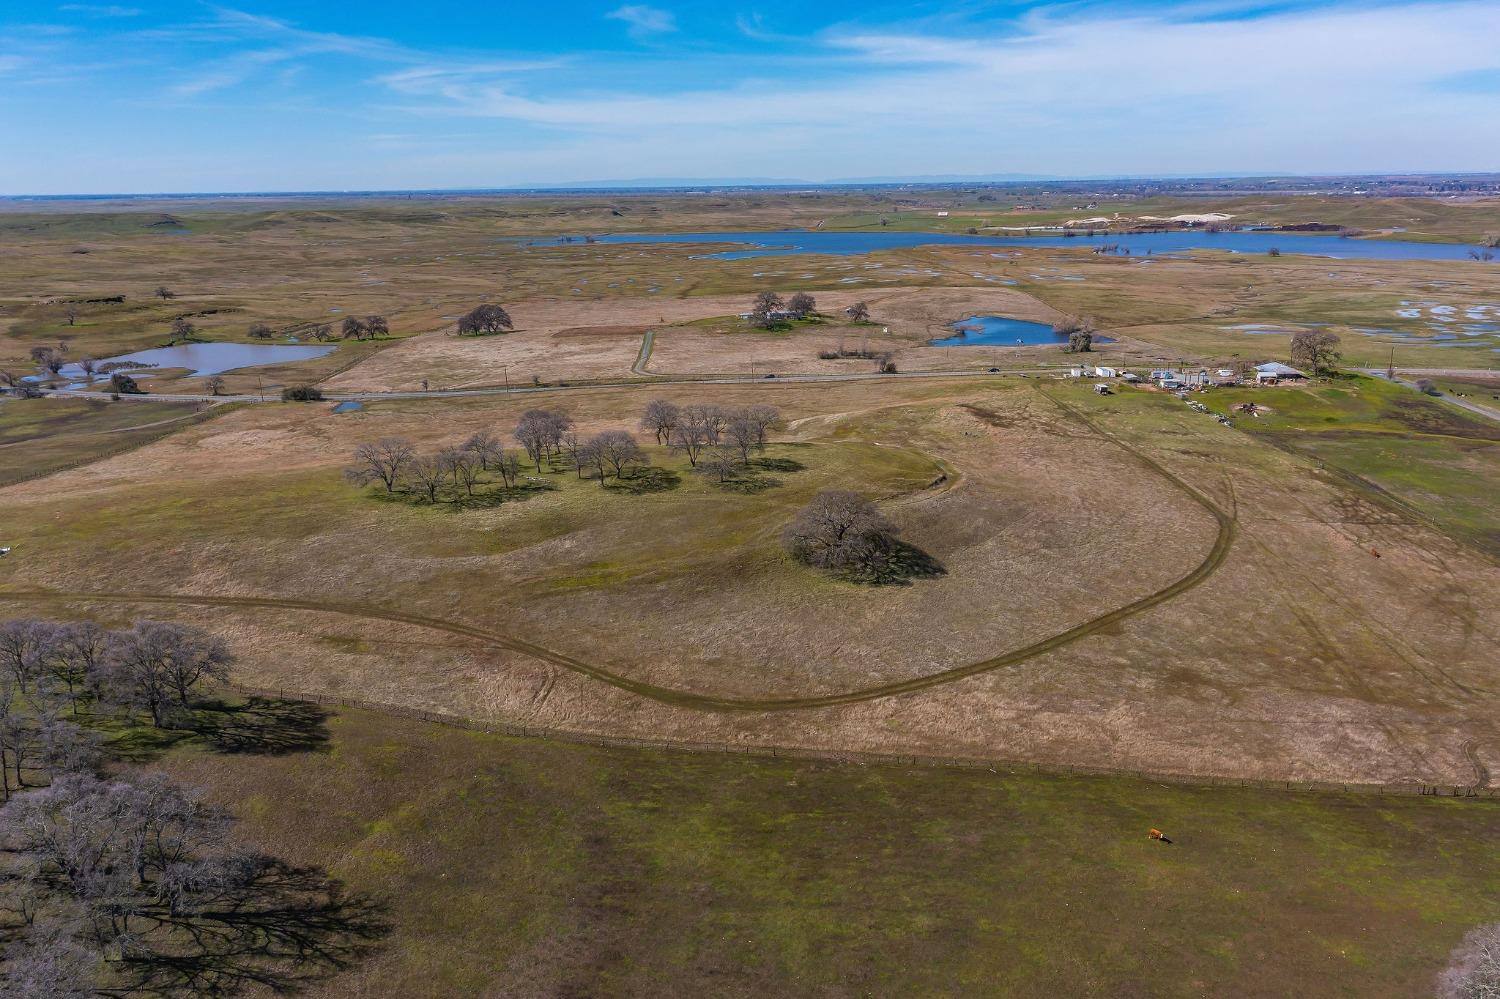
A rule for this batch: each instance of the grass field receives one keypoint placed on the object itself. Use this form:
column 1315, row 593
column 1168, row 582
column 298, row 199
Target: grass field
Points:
column 1405, row 450
column 1297, row 655
column 1126, row 585
column 526, row 868
column 42, row 436
column 291, row 266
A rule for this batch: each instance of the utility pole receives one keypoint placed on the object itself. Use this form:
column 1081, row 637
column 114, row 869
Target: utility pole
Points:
column 1390, row 369
column 505, row 370
column 260, row 381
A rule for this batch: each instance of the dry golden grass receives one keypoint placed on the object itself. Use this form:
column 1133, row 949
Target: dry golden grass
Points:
column 1305, row 656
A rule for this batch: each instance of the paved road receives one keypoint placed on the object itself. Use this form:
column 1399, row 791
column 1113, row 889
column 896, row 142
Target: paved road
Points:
column 1479, row 409
column 569, row 387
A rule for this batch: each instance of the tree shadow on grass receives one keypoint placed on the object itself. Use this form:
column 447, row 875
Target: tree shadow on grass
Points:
column 265, row 726
column 518, row 493
column 896, row 563
column 269, row 927
column 777, row 464
column 750, row 484
column 640, row 481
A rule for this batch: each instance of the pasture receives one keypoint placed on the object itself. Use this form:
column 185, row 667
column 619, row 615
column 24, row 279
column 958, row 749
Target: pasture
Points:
column 1112, row 582
column 525, row 867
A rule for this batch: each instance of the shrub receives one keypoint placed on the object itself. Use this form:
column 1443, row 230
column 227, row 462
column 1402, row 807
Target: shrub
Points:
column 302, row 393
column 122, row 384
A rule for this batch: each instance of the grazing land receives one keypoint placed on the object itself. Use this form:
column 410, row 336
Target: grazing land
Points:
column 1298, row 582
column 670, row 874
column 42, row 436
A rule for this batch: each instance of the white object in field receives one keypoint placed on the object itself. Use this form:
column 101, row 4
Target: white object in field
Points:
column 4, row 551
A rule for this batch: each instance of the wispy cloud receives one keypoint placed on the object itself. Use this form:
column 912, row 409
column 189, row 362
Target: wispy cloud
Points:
column 753, row 26
column 644, row 21
column 1078, row 87
column 101, row 10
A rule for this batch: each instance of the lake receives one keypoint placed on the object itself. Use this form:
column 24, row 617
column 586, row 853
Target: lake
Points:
column 209, row 358
column 787, row 242
column 1000, row 331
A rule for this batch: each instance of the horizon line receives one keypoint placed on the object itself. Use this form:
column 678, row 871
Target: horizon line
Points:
column 665, row 184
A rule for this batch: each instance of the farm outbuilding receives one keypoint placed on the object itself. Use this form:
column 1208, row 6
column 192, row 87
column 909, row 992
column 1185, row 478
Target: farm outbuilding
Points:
column 1273, row 371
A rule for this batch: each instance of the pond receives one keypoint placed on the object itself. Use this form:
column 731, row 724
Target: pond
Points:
column 1001, row 331
column 209, row 358
column 787, row 242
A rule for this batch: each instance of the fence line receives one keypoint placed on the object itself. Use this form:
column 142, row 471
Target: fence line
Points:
column 865, row 758
column 201, row 415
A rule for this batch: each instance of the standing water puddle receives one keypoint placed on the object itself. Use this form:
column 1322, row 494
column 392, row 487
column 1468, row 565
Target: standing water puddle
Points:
column 999, row 331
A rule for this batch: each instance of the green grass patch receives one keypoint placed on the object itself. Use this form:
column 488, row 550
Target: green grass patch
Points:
column 566, row 869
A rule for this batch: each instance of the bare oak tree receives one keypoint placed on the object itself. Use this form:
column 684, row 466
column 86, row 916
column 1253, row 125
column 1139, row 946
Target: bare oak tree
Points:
column 689, row 437
column 659, row 419
column 426, row 474
column 619, row 449
column 158, row 666
column 23, row 644
column 802, row 304
column 383, row 461
column 859, row 312
column 838, row 530
column 485, row 446
column 463, row 467
column 1473, row 970
column 719, row 461
column 1316, row 350
column 764, row 308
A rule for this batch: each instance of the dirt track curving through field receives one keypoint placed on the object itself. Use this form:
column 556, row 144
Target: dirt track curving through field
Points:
column 1211, row 562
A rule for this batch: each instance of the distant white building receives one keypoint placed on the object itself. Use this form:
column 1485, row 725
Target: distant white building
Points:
column 1106, row 372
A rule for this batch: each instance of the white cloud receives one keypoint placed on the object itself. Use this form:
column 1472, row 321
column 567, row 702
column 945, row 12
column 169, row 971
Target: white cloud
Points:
column 643, row 20
column 1335, row 86
column 102, row 10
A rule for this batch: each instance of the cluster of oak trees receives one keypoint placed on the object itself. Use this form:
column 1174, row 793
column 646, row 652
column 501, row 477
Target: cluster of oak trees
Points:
column 57, row 670
column 352, row 328
column 127, row 884
column 768, row 308
column 716, row 440
column 486, row 318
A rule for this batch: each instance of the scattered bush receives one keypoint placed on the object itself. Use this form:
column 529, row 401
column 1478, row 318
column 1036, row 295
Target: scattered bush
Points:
column 122, row 384
column 301, row 393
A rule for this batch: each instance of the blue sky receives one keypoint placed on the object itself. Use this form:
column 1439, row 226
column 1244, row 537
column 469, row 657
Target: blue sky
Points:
column 189, row 96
